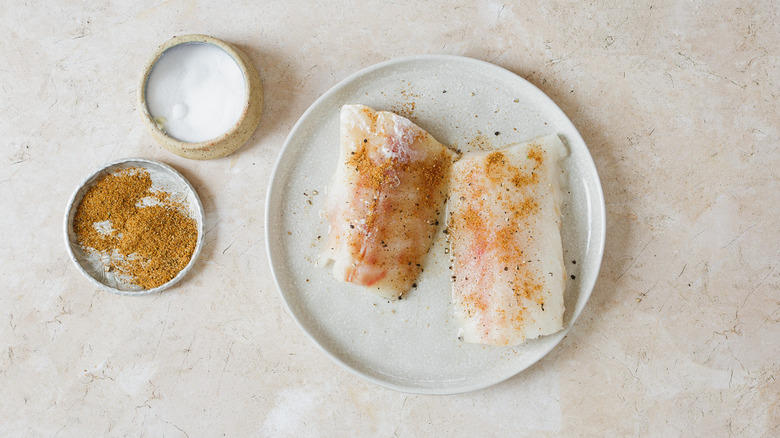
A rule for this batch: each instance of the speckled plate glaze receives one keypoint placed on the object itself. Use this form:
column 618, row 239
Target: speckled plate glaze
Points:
column 164, row 178
column 411, row 345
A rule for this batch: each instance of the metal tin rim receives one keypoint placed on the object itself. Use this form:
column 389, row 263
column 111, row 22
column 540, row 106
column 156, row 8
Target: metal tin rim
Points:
column 199, row 221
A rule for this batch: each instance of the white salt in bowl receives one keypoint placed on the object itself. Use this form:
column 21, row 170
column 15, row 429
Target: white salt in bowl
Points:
column 200, row 97
column 164, row 178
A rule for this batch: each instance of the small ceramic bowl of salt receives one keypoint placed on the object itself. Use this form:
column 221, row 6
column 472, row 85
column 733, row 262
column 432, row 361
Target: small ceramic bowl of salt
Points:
column 200, row 97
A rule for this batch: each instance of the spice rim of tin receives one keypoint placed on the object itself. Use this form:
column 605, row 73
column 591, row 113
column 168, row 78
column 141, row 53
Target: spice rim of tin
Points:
column 164, row 177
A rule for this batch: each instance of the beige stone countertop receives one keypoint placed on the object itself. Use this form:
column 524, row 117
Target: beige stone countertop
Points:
column 677, row 101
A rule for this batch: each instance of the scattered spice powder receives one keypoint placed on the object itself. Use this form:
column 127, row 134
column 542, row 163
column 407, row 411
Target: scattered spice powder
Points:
column 154, row 242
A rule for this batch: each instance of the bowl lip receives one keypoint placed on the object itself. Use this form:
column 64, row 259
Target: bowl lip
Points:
column 91, row 177
column 194, row 39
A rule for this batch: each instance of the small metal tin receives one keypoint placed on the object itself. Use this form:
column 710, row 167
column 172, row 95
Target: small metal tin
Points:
column 235, row 137
column 165, row 178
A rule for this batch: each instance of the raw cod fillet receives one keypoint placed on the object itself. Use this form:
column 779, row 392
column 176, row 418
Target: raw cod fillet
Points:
column 505, row 243
column 385, row 199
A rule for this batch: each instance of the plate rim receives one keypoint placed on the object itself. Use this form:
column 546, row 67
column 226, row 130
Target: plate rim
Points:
column 598, row 203
column 200, row 225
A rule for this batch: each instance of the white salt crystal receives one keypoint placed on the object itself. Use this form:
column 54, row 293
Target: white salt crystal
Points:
column 196, row 91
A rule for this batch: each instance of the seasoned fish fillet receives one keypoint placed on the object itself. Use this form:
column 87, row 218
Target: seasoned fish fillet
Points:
column 505, row 243
column 385, row 199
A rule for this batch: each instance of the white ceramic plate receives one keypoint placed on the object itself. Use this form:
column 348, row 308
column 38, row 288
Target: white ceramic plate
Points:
column 164, row 178
column 411, row 345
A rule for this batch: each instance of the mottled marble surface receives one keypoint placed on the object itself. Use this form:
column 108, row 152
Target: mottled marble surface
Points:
column 677, row 100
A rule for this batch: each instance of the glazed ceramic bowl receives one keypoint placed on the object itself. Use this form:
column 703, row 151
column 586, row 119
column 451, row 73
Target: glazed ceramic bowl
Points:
column 235, row 137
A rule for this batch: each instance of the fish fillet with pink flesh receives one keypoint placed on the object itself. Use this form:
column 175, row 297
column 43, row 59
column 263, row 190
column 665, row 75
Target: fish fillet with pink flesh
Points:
column 505, row 243
column 385, row 199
